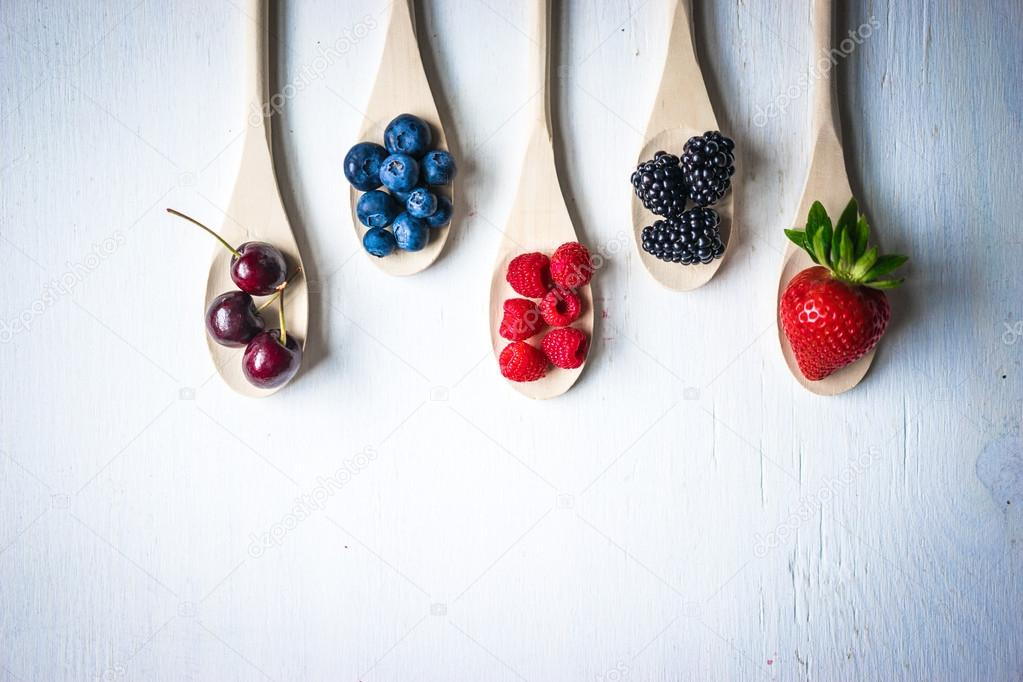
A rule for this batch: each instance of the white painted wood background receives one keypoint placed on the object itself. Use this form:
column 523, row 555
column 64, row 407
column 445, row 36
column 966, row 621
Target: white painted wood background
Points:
column 686, row 512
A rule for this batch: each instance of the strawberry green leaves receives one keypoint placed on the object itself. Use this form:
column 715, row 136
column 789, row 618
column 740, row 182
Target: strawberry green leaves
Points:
column 843, row 249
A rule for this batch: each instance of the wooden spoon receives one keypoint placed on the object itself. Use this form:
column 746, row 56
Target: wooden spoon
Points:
column 402, row 88
column 539, row 219
column 256, row 212
column 681, row 110
column 828, row 183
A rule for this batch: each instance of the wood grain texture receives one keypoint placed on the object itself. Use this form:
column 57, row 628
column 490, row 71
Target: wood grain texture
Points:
column 686, row 511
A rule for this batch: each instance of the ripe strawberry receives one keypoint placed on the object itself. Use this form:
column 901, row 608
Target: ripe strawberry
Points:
column 566, row 347
column 560, row 307
column 571, row 265
column 835, row 312
column 521, row 362
column 521, row 319
column 529, row 274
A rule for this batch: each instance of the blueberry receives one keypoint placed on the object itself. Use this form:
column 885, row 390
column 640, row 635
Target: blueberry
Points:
column 399, row 172
column 379, row 242
column 362, row 165
column 442, row 216
column 407, row 134
column 438, row 167
column 410, row 233
column 421, row 203
column 377, row 209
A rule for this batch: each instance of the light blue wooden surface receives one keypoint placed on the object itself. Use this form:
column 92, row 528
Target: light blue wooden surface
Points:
column 686, row 512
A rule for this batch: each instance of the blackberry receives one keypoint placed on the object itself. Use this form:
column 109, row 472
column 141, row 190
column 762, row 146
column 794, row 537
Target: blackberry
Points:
column 707, row 167
column 660, row 186
column 691, row 238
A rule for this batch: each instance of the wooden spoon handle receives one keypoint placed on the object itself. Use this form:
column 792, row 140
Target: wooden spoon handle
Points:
column 823, row 65
column 682, row 74
column 257, row 80
column 540, row 67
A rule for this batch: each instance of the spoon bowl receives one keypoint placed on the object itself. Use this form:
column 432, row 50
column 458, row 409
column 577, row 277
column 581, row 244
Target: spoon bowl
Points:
column 538, row 221
column 674, row 119
column 256, row 212
column 402, row 88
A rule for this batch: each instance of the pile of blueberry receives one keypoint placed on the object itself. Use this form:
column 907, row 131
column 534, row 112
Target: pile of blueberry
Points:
column 272, row 356
column 410, row 172
column 665, row 184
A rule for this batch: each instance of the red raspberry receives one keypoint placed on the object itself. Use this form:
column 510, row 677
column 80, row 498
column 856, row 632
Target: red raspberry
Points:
column 521, row 319
column 522, row 362
column 566, row 347
column 529, row 274
column 560, row 307
column 571, row 265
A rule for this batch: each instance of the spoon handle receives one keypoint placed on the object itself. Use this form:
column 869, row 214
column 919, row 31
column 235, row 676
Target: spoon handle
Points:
column 540, row 67
column 823, row 65
column 257, row 80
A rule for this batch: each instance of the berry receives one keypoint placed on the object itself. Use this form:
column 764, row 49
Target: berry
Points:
column 691, row 238
column 834, row 313
column 521, row 362
column 411, row 234
column 379, row 242
column 399, row 172
column 707, row 166
column 442, row 216
column 571, row 265
column 560, row 307
column 438, row 167
column 377, row 209
column 362, row 165
column 660, row 185
column 566, row 347
column 521, row 319
column 421, row 203
column 407, row 134
column 529, row 274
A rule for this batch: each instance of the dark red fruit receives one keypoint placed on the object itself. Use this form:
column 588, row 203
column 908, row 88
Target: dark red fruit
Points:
column 259, row 268
column 232, row 319
column 268, row 363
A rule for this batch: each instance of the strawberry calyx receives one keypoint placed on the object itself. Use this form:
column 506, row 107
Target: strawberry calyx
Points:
column 843, row 249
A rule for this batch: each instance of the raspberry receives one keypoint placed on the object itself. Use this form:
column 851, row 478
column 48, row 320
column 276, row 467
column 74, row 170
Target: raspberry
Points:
column 521, row 319
column 560, row 307
column 566, row 347
column 522, row 362
column 571, row 265
column 529, row 274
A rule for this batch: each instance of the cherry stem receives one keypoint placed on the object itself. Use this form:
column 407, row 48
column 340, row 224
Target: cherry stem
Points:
column 196, row 222
column 280, row 312
column 280, row 291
